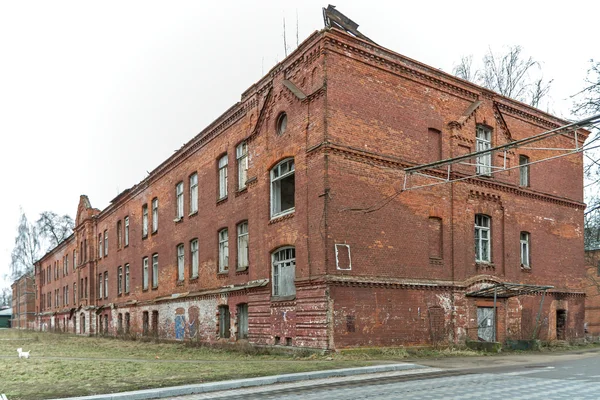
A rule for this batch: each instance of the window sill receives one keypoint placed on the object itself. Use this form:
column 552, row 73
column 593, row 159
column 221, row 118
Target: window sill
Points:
column 436, row 261
column 154, row 287
column 145, row 290
column 154, row 232
column 180, row 283
column 282, row 217
column 223, row 273
column 221, row 200
column 241, row 191
column 283, row 298
column 526, row 269
column 193, row 279
column 178, row 219
column 485, row 265
column 193, row 214
column 243, row 269
column 145, row 237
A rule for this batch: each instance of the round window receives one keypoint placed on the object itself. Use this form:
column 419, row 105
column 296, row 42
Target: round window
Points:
column 281, row 123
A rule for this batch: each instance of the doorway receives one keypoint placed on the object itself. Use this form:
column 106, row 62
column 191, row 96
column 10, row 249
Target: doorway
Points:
column 485, row 324
column 561, row 324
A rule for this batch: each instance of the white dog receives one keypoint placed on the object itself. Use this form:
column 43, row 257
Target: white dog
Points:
column 23, row 354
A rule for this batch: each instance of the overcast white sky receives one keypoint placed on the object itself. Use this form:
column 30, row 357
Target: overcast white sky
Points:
column 94, row 94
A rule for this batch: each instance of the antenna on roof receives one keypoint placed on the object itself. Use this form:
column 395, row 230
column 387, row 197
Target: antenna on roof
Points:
column 335, row 19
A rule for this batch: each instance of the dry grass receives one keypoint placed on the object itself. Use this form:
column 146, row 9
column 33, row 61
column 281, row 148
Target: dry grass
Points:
column 65, row 365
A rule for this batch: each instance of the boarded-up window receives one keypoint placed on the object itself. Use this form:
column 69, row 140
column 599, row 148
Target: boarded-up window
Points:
column 435, row 237
column 350, row 323
column 434, row 139
column 242, row 321
column 342, row 257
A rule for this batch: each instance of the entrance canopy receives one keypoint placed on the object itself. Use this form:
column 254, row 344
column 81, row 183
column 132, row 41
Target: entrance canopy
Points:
column 506, row 289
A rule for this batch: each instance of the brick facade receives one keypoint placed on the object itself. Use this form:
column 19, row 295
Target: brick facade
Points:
column 23, row 302
column 373, row 265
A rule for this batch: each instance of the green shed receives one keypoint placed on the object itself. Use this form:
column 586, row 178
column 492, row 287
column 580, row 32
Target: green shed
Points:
column 5, row 317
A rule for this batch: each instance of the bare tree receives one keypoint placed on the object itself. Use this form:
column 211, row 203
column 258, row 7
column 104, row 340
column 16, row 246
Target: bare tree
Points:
column 53, row 228
column 6, row 297
column 510, row 74
column 587, row 102
column 27, row 249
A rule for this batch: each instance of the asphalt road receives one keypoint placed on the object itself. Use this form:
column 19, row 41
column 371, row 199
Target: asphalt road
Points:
column 552, row 378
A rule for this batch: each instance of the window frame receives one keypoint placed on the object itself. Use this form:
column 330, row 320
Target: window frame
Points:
column 222, row 166
column 483, row 235
column 524, row 171
column 126, row 283
column 155, row 215
column 119, row 234
column 145, row 283
column 106, row 243
column 179, row 201
column 180, row 262
column 106, row 284
column 277, row 274
column 194, row 259
column 223, row 238
column 483, row 141
column 525, row 247
column 126, row 237
column 275, row 178
column 193, row 180
column 243, row 246
column 154, row 270
column 120, row 280
column 241, row 155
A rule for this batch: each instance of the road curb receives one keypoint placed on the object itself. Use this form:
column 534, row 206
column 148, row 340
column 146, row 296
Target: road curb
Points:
column 173, row 391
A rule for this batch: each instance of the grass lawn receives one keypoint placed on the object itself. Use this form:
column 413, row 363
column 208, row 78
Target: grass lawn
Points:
column 63, row 365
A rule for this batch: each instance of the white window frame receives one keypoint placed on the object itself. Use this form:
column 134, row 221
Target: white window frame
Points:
column 241, row 153
column 100, row 242
column 145, row 273
column 106, row 284
column 154, row 270
column 194, row 257
column 223, row 250
column 525, row 249
column 284, row 272
column 483, row 238
column 180, row 262
column 120, row 280
column 145, row 220
column 179, row 202
column 154, row 214
column 523, row 170
column 193, row 193
column 126, row 285
column 126, row 231
column 282, row 170
column 483, row 142
column 105, row 242
column 100, row 286
column 243, row 259
column 223, row 162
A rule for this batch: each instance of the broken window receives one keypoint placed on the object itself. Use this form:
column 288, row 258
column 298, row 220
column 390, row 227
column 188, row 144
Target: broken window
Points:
column 223, row 250
column 241, row 153
column 523, row 170
column 180, row 262
column 242, row 245
column 155, row 270
column 242, row 321
column 194, row 257
column 145, row 273
column 525, row 246
column 193, row 193
column 482, row 238
column 144, row 220
column 224, row 322
column 284, row 272
column 282, row 188
column 154, row 215
column 484, row 142
column 223, row 177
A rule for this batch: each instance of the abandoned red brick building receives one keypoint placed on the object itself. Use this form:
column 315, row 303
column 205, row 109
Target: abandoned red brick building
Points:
column 284, row 221
column 23, row 302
